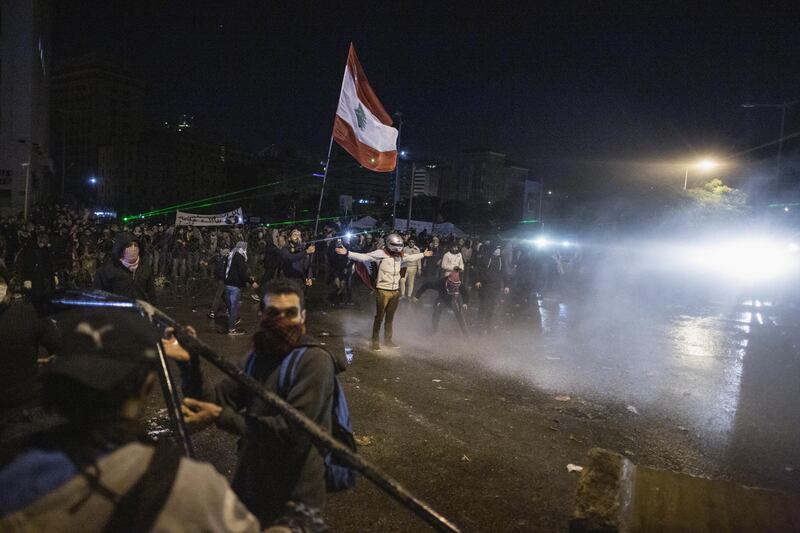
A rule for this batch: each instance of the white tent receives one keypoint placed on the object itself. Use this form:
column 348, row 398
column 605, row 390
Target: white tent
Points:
column 446, row 228
column 443, row 228
column 366, row 222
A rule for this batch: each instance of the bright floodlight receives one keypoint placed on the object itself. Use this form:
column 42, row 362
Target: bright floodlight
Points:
column 93, row 180
column 540, row 242
column 348, row 235
column 707, row 164
column 566, row 244
column 746, row 260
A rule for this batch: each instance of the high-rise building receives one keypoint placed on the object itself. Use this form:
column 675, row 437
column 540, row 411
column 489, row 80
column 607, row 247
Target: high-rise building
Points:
column 483, row 175
column 425, row 181
column 24, row 103
column 97, row 108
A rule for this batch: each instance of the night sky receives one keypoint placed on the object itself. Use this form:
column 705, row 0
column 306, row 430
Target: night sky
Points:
column 588, row 81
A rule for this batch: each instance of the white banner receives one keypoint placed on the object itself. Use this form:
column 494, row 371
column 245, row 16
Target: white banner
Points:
column 418, row 225
column 231, row 218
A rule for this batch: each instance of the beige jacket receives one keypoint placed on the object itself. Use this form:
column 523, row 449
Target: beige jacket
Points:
column 388, row 267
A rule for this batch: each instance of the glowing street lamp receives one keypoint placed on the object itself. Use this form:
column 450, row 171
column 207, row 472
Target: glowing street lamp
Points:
column 704, row 165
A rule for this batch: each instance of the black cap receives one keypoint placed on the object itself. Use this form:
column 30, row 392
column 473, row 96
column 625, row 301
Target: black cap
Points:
column 101, row 346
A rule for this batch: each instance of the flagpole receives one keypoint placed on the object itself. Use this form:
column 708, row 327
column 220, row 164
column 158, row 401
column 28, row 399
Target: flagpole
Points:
column 322, row 190
column 395, row 189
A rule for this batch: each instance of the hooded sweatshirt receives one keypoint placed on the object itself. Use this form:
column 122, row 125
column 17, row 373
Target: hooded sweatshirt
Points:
column 116, row 278
column 277, row 462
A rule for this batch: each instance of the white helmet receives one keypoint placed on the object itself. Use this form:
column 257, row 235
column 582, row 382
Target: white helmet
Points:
column 394, row 243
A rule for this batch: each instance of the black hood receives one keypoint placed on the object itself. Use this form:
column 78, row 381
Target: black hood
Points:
column 122, row 241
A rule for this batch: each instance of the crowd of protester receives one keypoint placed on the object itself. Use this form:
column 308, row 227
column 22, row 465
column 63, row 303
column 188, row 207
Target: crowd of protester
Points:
column 59, row 248
column 75, row 455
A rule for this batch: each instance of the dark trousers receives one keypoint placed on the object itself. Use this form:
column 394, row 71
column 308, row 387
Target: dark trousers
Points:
column 489, row 296
column 455, row 303
column 385, row 307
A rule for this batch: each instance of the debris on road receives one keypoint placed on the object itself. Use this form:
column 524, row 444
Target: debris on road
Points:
column 562, row 398
column 682, row 428
column 553, row 358
column 465, row 459
column 629, row 453
column 436, row 380
column 789, row 468
column 632, row 409
column 324, row 334
column 574, row 468
column 364, row 440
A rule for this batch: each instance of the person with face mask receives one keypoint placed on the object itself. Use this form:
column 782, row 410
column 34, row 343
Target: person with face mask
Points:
column 296, row 258
column 451, row 260
column 390, row 265
column 492, row 279
column 453, row 295
column 237, row 276
column 279, row 472
column 127, row 273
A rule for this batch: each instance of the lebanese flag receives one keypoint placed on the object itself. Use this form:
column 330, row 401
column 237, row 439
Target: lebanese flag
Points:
column 362, row 126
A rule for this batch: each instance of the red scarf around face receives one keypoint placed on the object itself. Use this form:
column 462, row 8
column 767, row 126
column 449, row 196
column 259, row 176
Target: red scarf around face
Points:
column 277, row 336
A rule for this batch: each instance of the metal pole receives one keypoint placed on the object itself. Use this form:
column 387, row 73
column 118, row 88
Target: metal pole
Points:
column 410, row 196
column 63, row 151
column 27, row 185
column 170, row 393
column 541, row 198
column 780, row 139
column 395, row 188
column 686, row 179
column 322, row 190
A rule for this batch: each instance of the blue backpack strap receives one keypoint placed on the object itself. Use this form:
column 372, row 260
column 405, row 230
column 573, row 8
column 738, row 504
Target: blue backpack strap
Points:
column 250, row 364
column 288, row 370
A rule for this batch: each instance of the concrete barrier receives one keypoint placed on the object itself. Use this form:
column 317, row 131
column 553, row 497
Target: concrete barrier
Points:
column 614, row 495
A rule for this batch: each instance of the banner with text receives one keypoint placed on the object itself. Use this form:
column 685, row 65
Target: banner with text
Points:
column 231, row 218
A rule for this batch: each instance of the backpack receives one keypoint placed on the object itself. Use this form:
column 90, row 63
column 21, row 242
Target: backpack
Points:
column 338, row 476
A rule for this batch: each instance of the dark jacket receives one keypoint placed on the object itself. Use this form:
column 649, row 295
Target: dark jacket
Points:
column 296, row 263
column 277, row 462
column 238, row 273
column 491, row 271
column 22, row 332
column 115, row 278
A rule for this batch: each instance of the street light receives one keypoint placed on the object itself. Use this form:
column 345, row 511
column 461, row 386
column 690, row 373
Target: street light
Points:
column 704, row 165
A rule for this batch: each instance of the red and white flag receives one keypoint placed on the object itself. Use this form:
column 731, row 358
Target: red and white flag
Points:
column 362, row 126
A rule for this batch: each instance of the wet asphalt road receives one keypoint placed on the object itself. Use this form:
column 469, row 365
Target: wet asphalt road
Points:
column 483, row 428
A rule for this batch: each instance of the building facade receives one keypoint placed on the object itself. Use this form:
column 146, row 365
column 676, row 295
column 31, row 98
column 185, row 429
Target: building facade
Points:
column 480, row 176
column 425, row 179
column 25, row 159
column 97, row 110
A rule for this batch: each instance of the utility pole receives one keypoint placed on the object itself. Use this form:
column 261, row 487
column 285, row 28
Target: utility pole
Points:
column 783, row 107
column 410, row 196
column 541, row 197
